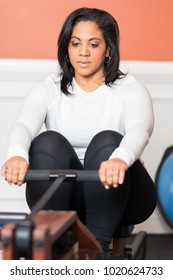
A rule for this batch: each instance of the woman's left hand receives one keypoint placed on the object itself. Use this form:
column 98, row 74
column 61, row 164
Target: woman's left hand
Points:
column 112, row 172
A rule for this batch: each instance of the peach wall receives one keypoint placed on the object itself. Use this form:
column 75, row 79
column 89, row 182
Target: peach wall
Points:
column 29, row 28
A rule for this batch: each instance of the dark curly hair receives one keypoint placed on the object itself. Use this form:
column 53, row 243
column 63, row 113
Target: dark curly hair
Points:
column 110, row 30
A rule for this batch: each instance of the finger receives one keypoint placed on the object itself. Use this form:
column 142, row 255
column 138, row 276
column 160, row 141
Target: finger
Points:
column 3, row 171
column 115, row 177
column 106, row 186
column 8, row 175
column 102, row 177
column 109, row 176
column 14, row 176
column 21, row 176
column 121, row 176
column 102, row 173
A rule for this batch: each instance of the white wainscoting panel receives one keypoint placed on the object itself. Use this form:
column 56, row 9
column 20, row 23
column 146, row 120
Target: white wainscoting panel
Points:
column 18, row 76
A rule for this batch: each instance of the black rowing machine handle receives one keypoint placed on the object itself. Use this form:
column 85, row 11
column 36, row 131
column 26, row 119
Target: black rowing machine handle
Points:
column 70, row 175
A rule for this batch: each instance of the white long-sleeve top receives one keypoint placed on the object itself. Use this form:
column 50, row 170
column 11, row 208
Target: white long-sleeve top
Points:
column 125, row 107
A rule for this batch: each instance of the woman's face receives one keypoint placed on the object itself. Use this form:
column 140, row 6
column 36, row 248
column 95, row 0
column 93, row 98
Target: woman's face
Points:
column 87, row 50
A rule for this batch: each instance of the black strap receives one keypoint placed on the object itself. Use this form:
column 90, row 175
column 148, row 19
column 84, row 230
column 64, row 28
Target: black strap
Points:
column 46, row 196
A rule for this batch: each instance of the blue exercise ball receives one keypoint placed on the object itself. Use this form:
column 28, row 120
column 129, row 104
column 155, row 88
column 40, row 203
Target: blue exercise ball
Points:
column 164, row 182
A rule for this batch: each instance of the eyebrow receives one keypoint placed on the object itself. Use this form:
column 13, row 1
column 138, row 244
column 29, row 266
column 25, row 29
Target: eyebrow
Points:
column 94, row 38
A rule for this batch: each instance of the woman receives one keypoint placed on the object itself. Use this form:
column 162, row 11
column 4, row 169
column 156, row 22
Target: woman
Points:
column 96, row 118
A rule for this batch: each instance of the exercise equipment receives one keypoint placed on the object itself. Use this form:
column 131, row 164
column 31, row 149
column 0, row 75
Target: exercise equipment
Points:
column 164, row 183
column 43, row 235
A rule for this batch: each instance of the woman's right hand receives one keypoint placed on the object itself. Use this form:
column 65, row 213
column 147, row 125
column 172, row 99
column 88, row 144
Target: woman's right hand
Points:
column 14, row 170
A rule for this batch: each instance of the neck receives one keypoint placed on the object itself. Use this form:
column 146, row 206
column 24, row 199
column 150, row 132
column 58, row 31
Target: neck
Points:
column 89, row 84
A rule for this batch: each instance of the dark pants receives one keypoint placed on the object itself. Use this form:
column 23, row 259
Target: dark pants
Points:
column 101, row 210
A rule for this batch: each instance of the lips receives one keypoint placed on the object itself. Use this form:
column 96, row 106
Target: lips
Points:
column 83, row 63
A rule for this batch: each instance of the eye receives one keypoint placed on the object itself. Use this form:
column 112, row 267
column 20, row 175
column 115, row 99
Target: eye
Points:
column 94, row 45
column 75, row 44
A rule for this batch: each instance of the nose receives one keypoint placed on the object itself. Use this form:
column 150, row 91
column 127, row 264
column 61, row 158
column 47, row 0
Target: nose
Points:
column 84, row 50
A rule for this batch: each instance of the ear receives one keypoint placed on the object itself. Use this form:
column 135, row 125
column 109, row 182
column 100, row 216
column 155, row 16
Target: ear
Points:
column 107, row 51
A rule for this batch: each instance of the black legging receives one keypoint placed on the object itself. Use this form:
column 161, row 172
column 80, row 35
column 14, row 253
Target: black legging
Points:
column 101, row 210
